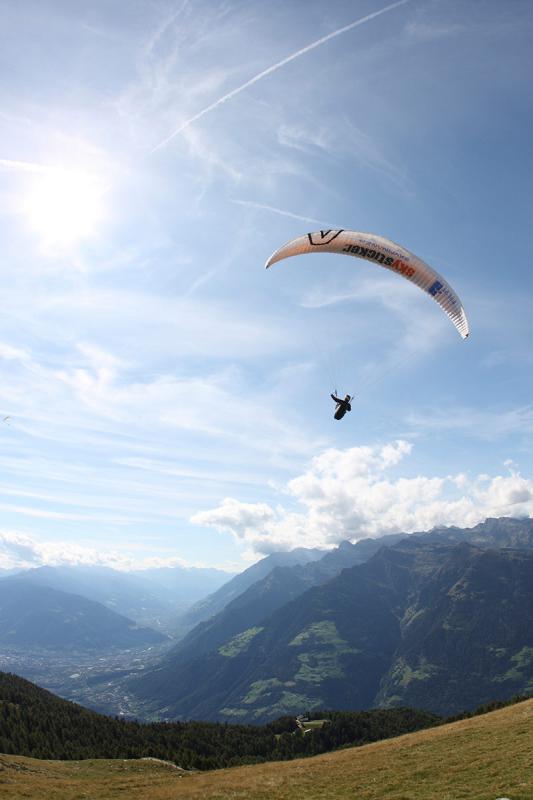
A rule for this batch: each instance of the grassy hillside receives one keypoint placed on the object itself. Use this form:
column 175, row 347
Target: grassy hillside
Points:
column 37, row 724
column 482, row 758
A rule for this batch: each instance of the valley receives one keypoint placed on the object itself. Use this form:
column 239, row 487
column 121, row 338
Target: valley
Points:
column 95, row 680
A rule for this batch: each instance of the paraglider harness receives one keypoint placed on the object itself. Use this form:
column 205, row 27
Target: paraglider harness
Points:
column 342, row 405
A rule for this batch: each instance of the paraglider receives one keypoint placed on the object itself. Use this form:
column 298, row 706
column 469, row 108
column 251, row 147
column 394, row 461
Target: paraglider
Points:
column 383, row 253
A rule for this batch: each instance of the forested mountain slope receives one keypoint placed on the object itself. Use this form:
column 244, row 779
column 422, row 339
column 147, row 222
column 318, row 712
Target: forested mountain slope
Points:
column 442, row 627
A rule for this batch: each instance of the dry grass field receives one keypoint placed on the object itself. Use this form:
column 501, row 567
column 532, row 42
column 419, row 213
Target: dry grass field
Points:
column 483, row 758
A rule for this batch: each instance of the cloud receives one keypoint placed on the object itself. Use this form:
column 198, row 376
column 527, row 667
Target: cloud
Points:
column 417, row 326
column 483, row 424
column 18, row 549
column 351, row 494
column 22, row 551
column 426, row 32
column 23, row 166
column 184, row 325
column 218, row 405
column 344, row 141
column 242, row 519
column 98, row 447
column 504, row 492
column 280, row 211
column 278, row 65
column 168, row 23
column 10, row 353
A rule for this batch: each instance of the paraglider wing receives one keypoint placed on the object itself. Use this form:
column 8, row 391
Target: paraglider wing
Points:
column 384, row 253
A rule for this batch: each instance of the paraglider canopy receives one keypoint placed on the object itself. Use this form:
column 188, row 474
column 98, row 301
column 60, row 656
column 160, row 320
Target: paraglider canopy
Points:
column 384, row 253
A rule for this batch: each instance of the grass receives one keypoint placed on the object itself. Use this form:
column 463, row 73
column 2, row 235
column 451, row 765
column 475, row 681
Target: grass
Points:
column 239, row 643
column 482, row 758
column 313, row 724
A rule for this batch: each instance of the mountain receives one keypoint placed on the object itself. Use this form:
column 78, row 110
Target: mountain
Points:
column 119, row 591
column 150, row 597
column 183, row 585
column 319, row 566
column 6, row 573
column 495, row 532
column 467, row 634
column 40, row 617
column 280, row 586
column 440, row 626
column 233, row 588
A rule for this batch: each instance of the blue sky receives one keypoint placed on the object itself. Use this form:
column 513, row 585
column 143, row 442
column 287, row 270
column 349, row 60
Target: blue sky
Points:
column 168, row 399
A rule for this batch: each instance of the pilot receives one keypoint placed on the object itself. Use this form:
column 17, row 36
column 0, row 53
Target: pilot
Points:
column 342, row 406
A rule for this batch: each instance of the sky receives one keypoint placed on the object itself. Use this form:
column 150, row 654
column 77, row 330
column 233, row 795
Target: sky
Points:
column 166, row 400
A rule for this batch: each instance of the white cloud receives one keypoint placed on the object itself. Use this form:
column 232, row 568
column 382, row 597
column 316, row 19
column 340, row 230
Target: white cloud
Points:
column 102, row 390
column 10, row 353
column 97, row 445
column 504, row 492
column 17, row 549
column 242, row 519
column 20, row 550
column 350, row 494
column 22, row 166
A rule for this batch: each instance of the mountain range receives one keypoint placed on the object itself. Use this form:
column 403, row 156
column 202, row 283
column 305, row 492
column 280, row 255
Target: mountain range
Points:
column 40, row 617
column 442, row 621
column 217, row 601
column 151, row 597
column 282, row 582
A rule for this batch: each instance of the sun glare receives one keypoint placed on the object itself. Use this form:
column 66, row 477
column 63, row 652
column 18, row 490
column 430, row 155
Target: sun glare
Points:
column 64, row 207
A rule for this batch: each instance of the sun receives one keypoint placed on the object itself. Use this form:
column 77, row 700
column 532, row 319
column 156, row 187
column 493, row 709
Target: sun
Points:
column 64, row 206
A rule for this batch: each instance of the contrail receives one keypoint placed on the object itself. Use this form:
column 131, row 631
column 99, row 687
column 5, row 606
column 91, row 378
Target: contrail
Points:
column 275, row 67
column 281, row 211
